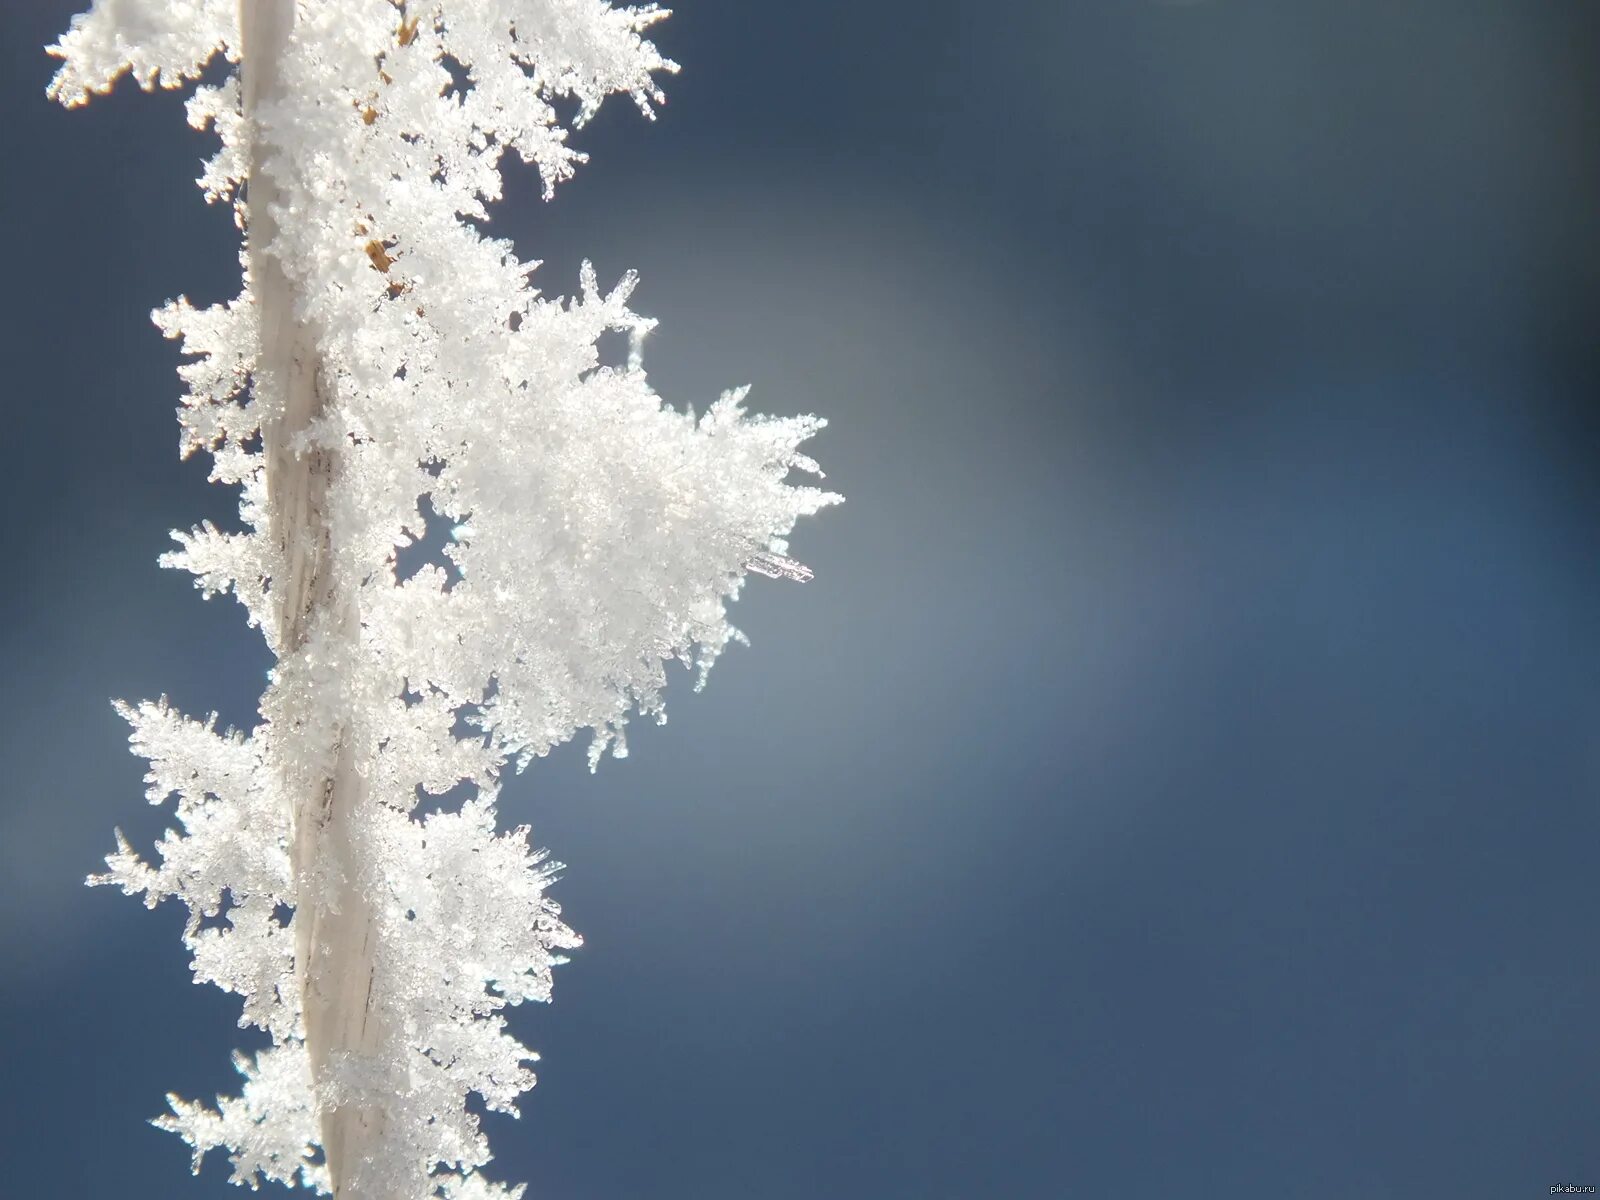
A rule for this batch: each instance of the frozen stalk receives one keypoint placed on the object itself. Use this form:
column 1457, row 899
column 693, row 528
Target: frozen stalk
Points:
column 384, row 359
column 336, row 937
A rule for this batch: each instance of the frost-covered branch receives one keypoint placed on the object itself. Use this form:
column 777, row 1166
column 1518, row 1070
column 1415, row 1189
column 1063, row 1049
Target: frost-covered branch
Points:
column 385, row 360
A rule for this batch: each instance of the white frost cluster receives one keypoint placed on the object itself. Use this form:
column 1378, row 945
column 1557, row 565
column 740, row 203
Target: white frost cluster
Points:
column 596, row 534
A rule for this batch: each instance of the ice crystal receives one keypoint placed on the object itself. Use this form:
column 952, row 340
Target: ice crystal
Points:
column 384, row 361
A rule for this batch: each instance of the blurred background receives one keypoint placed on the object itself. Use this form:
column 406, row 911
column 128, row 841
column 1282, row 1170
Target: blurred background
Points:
column 1180, row 777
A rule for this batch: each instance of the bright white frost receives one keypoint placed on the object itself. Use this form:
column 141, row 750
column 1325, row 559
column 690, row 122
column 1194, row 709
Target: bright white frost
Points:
column 596, row 535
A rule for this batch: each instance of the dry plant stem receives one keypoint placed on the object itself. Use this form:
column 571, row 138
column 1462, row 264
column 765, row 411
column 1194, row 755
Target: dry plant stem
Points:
column 335, row 933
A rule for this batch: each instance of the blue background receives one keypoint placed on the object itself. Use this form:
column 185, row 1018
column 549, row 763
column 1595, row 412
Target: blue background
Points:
column 1181, row 776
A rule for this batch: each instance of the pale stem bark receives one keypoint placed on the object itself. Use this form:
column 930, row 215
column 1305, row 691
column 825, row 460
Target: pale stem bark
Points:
column 335, row 932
